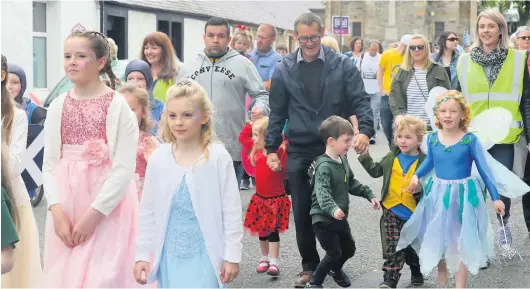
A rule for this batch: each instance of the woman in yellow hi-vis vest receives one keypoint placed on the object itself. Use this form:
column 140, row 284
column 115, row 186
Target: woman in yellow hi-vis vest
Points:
column 495, row 75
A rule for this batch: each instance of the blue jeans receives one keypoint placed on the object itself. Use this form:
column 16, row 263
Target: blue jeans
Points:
column 503, row 153
column 387, row 119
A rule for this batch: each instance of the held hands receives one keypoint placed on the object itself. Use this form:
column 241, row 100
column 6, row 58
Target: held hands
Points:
column 229, row 272
column 361, row 143
column 86, row 226
column 338, row 214
column 141, row 271
column 256, row 114
column 152, row 144
column 413, row 185
column 274, row 162
column 376, row 204
column 499, row 207
column 62, row 226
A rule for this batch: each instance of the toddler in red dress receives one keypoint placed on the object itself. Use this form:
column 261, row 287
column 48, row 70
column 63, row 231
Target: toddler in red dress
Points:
column 268, row 211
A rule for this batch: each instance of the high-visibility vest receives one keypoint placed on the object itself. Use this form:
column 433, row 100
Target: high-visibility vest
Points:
column 506, row 90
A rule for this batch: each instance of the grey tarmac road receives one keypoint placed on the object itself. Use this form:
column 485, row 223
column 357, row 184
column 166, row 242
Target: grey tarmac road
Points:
column 365, row 267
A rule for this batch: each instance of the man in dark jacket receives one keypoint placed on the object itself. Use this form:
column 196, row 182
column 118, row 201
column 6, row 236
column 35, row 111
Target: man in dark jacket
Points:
column 307, row 87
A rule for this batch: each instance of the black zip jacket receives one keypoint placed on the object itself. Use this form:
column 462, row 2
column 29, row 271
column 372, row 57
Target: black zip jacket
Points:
column 342, row 90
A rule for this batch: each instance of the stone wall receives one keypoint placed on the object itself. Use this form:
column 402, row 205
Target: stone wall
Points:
column 410, row 17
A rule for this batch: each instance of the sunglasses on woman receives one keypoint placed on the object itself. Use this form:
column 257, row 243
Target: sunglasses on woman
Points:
column 453, row 39
column 417, row 47
column 524, row 37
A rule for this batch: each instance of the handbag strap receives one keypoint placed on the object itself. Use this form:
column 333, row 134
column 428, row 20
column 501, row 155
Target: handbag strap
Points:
column 417, row 83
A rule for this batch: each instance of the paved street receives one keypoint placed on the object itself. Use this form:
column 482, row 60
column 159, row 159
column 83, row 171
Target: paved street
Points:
column 364, row 268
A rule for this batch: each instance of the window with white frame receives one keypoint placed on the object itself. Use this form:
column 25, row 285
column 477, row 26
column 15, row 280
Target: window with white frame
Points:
column 39, row 45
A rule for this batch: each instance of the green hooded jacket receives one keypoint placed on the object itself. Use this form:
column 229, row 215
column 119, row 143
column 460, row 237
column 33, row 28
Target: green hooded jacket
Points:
column 334, row 182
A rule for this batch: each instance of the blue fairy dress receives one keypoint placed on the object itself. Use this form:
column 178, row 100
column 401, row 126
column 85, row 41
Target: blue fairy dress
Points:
column 451, row 221
column 184, row 262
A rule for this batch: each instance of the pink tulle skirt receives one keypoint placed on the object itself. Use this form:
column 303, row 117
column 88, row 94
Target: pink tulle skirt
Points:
column 107, row 258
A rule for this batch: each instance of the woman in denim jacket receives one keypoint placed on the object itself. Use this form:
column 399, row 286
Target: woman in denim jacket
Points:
column 447, row 56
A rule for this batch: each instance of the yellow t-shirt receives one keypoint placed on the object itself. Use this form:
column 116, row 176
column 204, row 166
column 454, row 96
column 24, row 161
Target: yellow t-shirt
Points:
column 391, row 61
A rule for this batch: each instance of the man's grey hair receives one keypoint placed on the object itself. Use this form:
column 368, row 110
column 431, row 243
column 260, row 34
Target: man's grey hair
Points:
column 522, row 29
column 308, row 19
column 272, row 27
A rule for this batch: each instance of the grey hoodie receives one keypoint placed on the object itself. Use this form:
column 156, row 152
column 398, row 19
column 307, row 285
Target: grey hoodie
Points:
column 227, row 83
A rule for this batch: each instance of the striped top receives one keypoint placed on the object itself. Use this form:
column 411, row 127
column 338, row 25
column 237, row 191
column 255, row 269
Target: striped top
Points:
column 415, row 99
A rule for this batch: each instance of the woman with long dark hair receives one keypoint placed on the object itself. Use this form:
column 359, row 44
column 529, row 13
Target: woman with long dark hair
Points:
column 448, row 55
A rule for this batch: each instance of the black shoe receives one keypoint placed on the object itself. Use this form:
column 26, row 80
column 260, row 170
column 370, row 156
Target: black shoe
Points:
column 417, row 280
column 388, row 283
column 245, row 184
column 309, row 285
column 340, row 278
column 372, row 140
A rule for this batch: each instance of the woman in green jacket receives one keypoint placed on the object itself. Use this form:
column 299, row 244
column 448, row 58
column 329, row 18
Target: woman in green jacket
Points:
column 416, row 77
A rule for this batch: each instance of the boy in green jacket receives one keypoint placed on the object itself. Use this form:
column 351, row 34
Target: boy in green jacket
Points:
column 397, row 169
column 333, row 180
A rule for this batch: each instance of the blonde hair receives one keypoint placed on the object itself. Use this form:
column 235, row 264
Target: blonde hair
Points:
column 496, row 16
column 260, row 126
column 8, row 106
column 188, row 88
column 464, row 107
column 242, row 34
column 408, row 64
column 113, row 48
column 412, row 123
column 330, row 42
column 142, row 96
column 6, row 180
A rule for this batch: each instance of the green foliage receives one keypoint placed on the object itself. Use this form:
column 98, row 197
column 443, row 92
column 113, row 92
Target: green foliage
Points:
column 522, row 6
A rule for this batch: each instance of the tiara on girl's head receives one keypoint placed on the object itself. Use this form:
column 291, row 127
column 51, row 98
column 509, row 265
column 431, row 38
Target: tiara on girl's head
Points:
column 458, row 97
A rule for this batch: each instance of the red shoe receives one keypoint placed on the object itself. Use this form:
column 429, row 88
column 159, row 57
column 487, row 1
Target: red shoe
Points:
column 263, row 266
column 273, row 271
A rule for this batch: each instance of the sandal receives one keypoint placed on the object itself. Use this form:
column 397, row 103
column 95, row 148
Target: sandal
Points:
column 273, row 270
column 263, row 266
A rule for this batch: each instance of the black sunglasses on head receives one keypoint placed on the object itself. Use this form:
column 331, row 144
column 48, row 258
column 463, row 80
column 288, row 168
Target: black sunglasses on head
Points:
column 417, row 47
column 452, row 39
column 524, row 37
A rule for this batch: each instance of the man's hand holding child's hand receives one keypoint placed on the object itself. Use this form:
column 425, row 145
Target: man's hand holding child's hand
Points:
column 338, row 214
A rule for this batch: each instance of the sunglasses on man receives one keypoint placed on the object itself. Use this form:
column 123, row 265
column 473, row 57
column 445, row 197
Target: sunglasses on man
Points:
column 524, row 37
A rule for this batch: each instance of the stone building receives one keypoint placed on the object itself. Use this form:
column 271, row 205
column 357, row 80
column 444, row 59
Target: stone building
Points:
column 387, row 21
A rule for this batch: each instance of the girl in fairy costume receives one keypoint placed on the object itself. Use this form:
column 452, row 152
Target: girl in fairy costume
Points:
column 450, row 228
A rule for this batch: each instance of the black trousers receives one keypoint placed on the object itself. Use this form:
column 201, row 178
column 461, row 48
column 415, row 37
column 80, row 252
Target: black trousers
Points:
column 526, row 197
column 503, row 153
column 336, row 239
column 298, row 162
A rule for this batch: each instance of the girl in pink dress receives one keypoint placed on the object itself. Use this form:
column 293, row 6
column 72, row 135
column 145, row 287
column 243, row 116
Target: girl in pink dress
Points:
column 138, row 100
column 89, row 161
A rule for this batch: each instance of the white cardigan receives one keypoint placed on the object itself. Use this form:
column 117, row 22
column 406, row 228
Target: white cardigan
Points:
column 17, row 156
column 215, row 197
column 122, row 136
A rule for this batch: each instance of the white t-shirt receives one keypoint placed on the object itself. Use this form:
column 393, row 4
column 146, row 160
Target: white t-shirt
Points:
column 368, row 66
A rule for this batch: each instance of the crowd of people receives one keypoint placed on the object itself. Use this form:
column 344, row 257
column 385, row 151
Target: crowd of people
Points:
column 126, row 157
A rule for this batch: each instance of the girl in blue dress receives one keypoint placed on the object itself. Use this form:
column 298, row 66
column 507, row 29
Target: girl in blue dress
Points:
column 191, row 228
column 450, row 227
